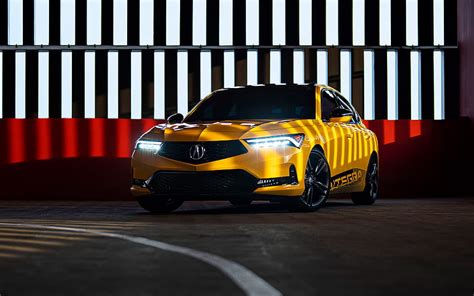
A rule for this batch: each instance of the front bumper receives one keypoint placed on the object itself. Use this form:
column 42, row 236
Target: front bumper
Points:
column 262, row 171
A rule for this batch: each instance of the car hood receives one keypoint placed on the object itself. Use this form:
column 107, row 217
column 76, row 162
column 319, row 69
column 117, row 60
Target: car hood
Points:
column 224, row 130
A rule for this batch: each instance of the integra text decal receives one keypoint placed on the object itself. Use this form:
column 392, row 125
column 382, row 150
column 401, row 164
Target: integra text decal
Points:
column 347, row 178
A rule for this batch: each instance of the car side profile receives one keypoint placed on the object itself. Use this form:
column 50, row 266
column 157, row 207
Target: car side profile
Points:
column 294, row 144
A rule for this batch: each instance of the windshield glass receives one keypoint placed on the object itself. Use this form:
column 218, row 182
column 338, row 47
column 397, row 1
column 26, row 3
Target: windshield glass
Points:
column 277, row 102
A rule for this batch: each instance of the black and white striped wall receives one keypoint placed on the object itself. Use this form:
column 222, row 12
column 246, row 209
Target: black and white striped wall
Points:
column 394, row 59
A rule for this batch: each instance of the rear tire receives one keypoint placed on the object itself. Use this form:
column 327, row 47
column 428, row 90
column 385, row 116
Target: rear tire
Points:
column 317, row 183
column 156, row 205
column 371, row 191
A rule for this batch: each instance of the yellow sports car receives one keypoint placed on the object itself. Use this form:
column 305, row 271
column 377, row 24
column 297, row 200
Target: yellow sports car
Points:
column 293, row 144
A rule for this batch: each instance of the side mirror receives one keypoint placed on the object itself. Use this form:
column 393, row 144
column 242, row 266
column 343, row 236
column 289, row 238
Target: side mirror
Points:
column 341, row 115
column 175, row 118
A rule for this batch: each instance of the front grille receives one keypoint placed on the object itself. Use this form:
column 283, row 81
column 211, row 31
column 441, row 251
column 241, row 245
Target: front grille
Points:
column 203, row 183
column 214, row 150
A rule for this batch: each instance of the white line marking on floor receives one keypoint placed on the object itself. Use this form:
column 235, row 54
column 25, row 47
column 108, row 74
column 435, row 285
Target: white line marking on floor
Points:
column 248, row 281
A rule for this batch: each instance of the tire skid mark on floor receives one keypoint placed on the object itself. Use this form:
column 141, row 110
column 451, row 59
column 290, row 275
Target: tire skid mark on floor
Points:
column 250, row 283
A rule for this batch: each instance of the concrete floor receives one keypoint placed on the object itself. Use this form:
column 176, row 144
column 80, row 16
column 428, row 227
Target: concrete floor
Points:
column 396, row 247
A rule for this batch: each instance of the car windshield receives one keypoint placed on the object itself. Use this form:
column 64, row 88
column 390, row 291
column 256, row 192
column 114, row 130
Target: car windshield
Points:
column 272, row 102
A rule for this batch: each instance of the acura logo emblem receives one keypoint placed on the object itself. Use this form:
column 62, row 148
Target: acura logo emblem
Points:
column 196, row 152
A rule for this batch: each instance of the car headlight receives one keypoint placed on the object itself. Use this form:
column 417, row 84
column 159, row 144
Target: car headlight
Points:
column 148, row 145
column 277, row 141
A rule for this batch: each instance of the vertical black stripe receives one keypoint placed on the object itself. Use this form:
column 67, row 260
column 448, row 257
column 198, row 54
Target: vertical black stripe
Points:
column 239, row 20
column 427, row 84
column 450, row 22
column 241, row 67
column 159, row 22
column 292, row 22
column 78, row 84
column 9, row 84
column 81, row 22
column 345, row 22
column 263, row 66
column 319, row 22
column 310, row 65
column 147, row 83
column 194, row 71
column 3, row 22
column 171, row 92
column 372, row 22
column 425, row 22
column 404, row 89
column 107, row 22
column 101, row 83
column 287, row 65
column 133, row 25
column 334, row 66
column 54, row 22
column 28, row 22
column 358, row 80
column 265, row 22
column 186, row 22
column 31, row 84
column 55, row 84
column 380, row 62
column 217, row 61
column 398, row 22
column 124, row 83
column 212, row 22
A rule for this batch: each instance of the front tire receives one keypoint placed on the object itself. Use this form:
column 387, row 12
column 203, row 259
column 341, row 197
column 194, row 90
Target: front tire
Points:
column 157, row 205
column 371, row 191
column 317, row 183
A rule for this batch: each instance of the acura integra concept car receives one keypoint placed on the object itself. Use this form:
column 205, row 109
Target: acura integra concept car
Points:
column 293, row 144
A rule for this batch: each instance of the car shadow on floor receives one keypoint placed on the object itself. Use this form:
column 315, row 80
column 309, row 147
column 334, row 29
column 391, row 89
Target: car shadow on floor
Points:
column 214, row 208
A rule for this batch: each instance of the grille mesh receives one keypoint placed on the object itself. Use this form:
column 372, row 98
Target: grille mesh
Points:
column 199, row 183
column 214, row 150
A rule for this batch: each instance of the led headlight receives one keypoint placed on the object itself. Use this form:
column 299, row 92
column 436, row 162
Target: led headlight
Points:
column 277, row 141
column 153, row 146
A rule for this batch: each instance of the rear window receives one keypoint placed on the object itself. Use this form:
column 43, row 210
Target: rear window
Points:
column 288, row 102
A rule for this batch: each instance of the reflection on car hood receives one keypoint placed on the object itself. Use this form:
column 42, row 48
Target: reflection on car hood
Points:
column 224, row 130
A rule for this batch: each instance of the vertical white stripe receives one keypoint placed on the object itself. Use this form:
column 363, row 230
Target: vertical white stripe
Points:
column 146, row 22
column 346, row 74
column 369, row 85
column 15, row 22
column 412, row 22
column 41, row 22
column 199, row 22
column 68, row 22
column 225, row 22
column 43, row 84
column 322, row 66
column 89, row 84
column 206, row 73
column 332, row 22
column 112, row 84
column 94, row 14
column 385, row 23
column 415, row 84
column 229, row 68
column 120, row 22
column 358, row 22
column 275, row 66
column 439, row 90
column 20, row 64
column 306, row 23
column 172, row 22
column 252, row 67
column 66, row 84
column 278, row 22
column 183, row 81
column 298, row 66
column 1, row 84
column 392, row 85
column 251, row 22
column 438, row 22
column 136, row 84
column 159, row 112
